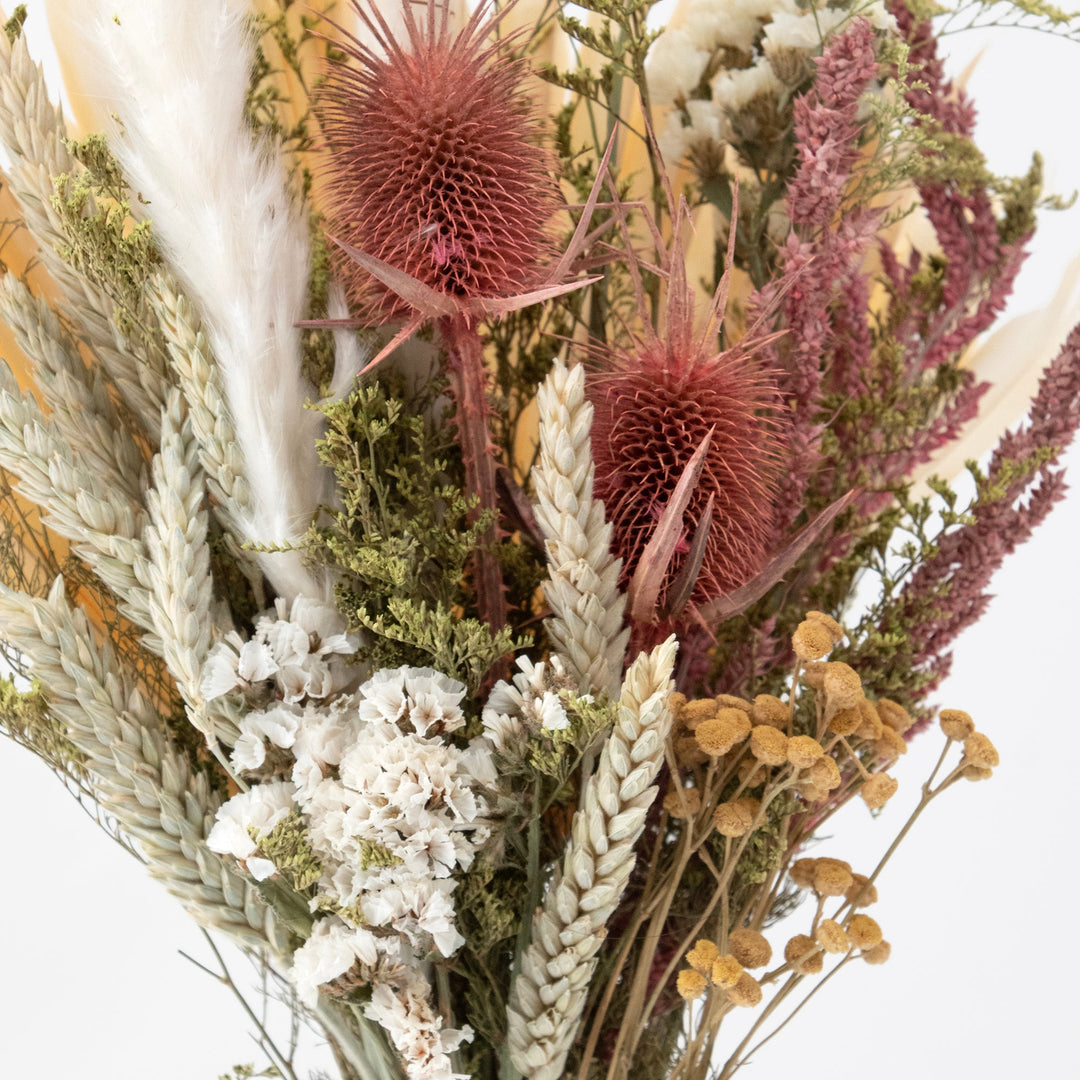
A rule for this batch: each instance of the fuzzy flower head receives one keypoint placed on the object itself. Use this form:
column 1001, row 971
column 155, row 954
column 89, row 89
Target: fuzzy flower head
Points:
column 657, row 404
column 435, row 167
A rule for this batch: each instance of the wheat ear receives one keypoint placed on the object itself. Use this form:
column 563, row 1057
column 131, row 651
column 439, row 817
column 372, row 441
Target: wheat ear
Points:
column 75, row 395
column 105, row 525
column 548, row 995
column 140, row 777
column 32, row 130
column 583, row 577
column 198, row 377
column 176, row 567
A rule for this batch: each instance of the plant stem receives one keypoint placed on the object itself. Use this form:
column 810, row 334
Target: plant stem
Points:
column 468, row 384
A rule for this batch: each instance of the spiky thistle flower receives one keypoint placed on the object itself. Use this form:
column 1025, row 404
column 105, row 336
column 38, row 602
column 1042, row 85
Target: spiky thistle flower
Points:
column 665, row 400
column 441, row 194
column 435, row 165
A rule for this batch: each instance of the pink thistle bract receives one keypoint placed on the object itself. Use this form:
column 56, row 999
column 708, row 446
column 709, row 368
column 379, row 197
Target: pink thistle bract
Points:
column 435, row 166
column 655, row 403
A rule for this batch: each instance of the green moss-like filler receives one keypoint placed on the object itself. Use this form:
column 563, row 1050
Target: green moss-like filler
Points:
column 288, row 846
column 402, row 537
column 13, row 27
column 104, row 244
column 25, row 718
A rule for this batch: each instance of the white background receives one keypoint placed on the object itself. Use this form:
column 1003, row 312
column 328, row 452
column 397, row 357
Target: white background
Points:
column 978, row 904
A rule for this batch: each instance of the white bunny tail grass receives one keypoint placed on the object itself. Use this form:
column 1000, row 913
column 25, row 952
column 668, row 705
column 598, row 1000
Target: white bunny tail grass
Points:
column 583, row 577
column 549, row 993
column 176, row 75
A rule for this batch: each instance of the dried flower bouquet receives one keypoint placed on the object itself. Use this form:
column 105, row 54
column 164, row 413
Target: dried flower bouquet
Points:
column 459, row 476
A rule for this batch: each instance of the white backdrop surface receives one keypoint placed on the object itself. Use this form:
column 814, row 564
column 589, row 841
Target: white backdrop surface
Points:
column 977, row 905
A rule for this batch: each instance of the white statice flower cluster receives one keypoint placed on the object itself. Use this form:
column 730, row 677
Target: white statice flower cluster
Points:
column 400, row 998
column 392, row 810
column 296, row 658
column 739, row 46
column 256, row 810
column 526, row 706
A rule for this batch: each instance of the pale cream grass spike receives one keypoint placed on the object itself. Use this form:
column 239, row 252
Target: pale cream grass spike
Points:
column 200, row 381
column 176, row 75
column 583, row 577
column 33, row 132
column 140, row 779
column 105, row 525
column 74, row 394
column 176, row 571
column 548, row 995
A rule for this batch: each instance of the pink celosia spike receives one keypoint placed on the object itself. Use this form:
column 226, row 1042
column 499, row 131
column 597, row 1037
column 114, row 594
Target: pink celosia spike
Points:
column 644, row 590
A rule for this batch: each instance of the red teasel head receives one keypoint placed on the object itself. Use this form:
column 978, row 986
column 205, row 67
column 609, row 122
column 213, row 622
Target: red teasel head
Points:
column 660, row 402
column 434, row 163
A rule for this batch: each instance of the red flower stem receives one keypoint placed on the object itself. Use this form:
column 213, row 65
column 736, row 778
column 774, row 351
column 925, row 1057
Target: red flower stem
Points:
column 468, row 384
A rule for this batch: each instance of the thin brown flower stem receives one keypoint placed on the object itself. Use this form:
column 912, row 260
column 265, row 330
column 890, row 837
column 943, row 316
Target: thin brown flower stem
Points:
column 609, row 991
column 468, row 385
column 267, row 1043
column 630, row 1027
column 781, row 995
column 721, row 893
column 784, row 1023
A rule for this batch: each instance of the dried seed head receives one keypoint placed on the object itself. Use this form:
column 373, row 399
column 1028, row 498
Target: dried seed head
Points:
column 752, row 773
column 846, row 721
column 683, row 804
column 811, row 641
column 824, row 773
column 730, row 701
column 891, row 745
column 865, row 932
column 893, row 715
column 771, row 711
column 832, row 877
column 434, row 164
column 879, row 954
column 691, row 984
column 813, row 674
column 694, row 712
column 655, row 404
column 688, row 752
column 768, row 745
column 735, row 818
column 803, row 954
column 726, row 972
column 717, row 735
column 956, row 724
column 702, row 955
column 979, row 751
column 802, row 751
column 861, row 893
column 802, row 872
column 832, row 937
column 977, row 772
column 842, row 685
column 746, row 993
column 750, row 948
column 878, row 790
column 836, row 631
column 871, row 726
column 675, row 702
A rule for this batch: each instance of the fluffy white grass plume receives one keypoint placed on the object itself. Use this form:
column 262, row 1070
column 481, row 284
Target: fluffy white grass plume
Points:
column 176, row 75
